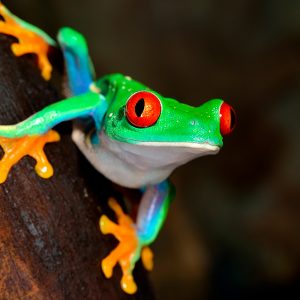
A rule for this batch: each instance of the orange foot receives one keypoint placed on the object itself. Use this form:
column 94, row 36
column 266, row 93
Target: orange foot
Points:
column 128, row 250
column 16, row 148
column 29, row 40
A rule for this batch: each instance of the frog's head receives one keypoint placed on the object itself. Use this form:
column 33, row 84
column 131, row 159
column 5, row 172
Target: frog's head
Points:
column 139, row 115
column 165, row 130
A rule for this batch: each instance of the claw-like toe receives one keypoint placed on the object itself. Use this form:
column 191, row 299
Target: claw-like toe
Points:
column 128, row 284
column 147, row 258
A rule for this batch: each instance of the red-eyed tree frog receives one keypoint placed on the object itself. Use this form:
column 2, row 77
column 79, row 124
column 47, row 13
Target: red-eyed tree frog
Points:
column 130, row 133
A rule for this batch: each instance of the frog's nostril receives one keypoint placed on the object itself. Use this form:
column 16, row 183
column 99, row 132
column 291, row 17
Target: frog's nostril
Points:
column 227, row 118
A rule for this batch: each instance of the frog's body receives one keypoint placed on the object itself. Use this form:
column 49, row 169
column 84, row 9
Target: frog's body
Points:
column 124, row 164
column 130, row 133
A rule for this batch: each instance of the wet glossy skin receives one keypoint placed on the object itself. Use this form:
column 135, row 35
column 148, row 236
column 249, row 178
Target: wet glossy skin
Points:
column 133, row 135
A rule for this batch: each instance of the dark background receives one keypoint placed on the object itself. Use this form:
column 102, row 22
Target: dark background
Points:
column 233, row 231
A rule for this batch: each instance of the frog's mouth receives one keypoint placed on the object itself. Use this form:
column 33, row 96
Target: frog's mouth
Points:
column 196, row 146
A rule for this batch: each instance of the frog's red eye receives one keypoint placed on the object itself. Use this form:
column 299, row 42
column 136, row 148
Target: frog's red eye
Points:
column 227, row 119
column 143, row 109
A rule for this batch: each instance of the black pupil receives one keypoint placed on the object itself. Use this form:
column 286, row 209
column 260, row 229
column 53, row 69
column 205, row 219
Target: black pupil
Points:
column 139, row 107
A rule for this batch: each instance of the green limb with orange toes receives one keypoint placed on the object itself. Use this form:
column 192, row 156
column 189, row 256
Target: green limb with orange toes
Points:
column 130, row 133
column 134, row 238
column 30, row 136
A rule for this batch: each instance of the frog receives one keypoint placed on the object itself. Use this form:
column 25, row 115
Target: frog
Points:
column 130, row 133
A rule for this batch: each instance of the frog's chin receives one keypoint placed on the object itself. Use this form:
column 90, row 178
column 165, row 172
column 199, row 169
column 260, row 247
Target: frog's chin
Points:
column 137, row 165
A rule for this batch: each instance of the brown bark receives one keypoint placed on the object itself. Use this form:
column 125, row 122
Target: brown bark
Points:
column 50, row 243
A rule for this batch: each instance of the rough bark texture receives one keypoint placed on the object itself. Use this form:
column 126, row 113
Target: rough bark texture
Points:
column 50, row 243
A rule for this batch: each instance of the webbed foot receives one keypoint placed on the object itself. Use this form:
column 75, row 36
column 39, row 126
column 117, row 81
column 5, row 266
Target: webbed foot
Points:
column 16, row 148
column 128, row 251
column 30, row 39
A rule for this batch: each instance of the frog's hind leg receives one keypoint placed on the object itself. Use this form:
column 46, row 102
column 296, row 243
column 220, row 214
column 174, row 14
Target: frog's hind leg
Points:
column 16, row 148
column 135, row 238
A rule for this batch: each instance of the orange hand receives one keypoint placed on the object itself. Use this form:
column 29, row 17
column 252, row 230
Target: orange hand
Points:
column 29, row 41
column 16, row 148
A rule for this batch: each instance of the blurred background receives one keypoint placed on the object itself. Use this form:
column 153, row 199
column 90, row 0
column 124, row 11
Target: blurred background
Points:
column 233, row 231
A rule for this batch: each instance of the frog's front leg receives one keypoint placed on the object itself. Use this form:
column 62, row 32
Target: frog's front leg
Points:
column 30, row 136
column 135, row 238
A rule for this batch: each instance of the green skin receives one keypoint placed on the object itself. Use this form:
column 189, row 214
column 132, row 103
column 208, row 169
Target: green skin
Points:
column 178, row 122
column 128, row 155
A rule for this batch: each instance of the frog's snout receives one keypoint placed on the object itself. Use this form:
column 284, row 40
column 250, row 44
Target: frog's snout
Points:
column 227, row 119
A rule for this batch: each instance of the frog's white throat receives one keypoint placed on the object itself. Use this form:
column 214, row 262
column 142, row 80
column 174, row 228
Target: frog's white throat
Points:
column 138, row 165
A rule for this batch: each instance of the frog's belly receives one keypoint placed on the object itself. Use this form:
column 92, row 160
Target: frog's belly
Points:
column 133, row 165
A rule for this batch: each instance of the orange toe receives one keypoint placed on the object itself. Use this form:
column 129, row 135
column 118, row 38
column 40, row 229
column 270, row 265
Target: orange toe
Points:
column 16, row 148
column 28, row 41
column 127, row 252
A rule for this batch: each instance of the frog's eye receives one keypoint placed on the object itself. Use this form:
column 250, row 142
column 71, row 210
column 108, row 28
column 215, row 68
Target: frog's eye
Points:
column 143, row 109
column 227, row 119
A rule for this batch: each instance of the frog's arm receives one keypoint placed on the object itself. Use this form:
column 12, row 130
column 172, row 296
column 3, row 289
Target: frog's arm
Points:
column 29, row 137
column 79, row 66
column 135, row 238
column 88, row 104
